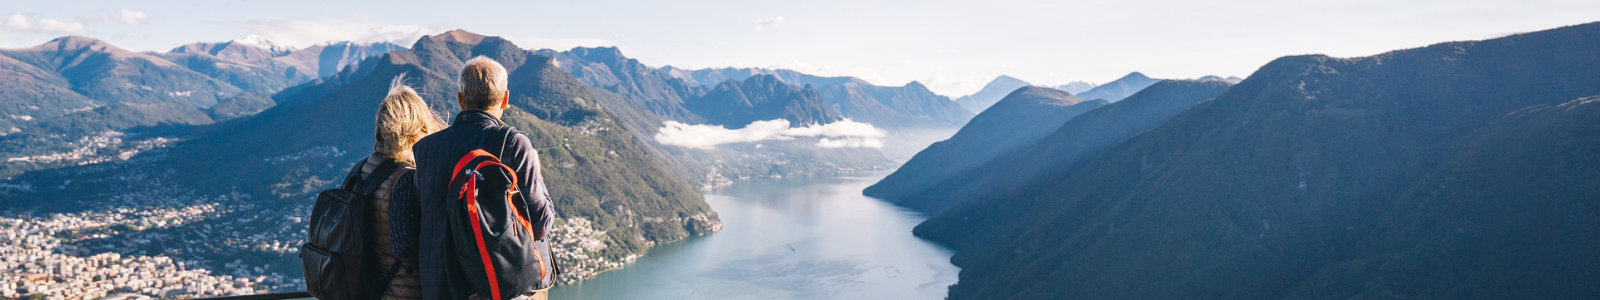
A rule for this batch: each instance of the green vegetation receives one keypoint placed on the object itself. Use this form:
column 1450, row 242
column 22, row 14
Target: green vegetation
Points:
column 1385, row 176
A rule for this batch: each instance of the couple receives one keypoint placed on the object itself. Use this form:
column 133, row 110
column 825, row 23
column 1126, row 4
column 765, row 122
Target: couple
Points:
column 406, row 212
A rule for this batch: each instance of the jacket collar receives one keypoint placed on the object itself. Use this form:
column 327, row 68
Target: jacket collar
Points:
column 477, row 117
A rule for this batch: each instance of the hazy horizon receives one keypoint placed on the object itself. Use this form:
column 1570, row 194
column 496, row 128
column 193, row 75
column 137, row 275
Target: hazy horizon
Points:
column 954, row 48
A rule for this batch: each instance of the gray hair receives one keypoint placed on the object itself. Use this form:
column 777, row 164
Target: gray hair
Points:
column 483, row 84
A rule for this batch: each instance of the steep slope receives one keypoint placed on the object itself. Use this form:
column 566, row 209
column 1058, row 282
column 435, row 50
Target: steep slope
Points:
column 1511, row 216
column 991, row 93
column 596, row 172
column 1121, row 88
column 735, row 104
column 1290, row 182
column 1018, row 120
column 30, row 93
column 984, row 194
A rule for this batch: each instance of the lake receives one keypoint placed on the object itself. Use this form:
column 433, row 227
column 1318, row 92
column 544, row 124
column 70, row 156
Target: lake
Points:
column 811, row 238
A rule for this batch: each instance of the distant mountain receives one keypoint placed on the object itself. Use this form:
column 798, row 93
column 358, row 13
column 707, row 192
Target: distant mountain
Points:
column 1018, row 120
column 657, row 91
column 257, row 64
column 1229, row 79
column 334, row 57
column 991, row 93
column 71, row 99
column 65, row 95
column 1076, row 87
column 643, row 98
column 1121, row 88
column 715, row 76
column 29, row 93
column 594, row 169
column 1457, row 170
column 908, row 106
column 980, row 194
column 99, row 70
column 734, row 104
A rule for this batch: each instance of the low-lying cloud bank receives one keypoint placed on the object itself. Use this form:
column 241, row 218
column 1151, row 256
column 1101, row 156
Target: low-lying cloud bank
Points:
column 841, row 134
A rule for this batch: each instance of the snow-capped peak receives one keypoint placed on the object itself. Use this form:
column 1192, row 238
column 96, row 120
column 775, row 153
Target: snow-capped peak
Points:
column 263, row 43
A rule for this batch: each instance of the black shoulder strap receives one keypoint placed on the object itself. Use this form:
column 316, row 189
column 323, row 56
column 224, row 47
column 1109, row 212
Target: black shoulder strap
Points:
column 355, row 174
column 375, row 179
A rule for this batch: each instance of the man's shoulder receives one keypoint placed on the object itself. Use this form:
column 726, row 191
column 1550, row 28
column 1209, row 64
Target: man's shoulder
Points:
column 428, row 141
column 511, row 133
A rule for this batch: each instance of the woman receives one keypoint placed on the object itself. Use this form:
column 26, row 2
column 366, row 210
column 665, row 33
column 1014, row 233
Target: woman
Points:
column 403, row 118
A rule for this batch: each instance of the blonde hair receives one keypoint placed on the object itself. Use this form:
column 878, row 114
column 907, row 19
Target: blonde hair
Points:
column 483, row 84
column 403, row 119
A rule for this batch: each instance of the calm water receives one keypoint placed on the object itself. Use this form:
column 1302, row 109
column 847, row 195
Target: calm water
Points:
column 788, row 239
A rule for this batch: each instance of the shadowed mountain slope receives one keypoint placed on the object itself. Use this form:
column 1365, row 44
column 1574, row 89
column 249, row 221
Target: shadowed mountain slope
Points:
column 1020, row 119
column 1329, row 177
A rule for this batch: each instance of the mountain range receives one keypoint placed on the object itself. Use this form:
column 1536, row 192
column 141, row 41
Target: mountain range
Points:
column 663, row 95
column 1018, row 120
column 255, row 64
column 595, row 170
column 1111, row 91
column 735, row 104
column 1076, row 87
column 972, row 191
column 991, row 93
column 1456, row 170
column 67, row 94
column 909, row 106
column 1121, row 88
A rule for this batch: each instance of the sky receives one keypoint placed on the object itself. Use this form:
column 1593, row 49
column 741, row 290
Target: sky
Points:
column 953, row 47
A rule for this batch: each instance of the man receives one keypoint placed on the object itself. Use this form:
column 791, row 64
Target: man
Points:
column 483, row 98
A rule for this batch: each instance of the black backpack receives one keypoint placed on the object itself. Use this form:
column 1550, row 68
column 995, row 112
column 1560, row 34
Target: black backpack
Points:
column 337, row 262
column 493, row 241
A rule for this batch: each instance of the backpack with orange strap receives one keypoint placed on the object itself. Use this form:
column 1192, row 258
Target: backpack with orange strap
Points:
column 493, row 242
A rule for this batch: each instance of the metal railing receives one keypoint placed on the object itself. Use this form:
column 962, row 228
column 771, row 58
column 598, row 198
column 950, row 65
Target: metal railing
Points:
column 272, row 296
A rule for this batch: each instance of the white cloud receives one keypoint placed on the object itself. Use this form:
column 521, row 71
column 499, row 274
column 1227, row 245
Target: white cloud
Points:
column 130, row 17
column 841, row 134
column 20, row 23
column 764, row 23
column 306, row 31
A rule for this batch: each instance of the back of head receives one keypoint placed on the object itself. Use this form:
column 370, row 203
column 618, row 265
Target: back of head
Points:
column 483, row 84
column 403, row 119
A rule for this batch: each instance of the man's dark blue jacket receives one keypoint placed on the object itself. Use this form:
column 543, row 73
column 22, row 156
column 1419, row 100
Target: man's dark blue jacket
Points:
column 436, row 156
